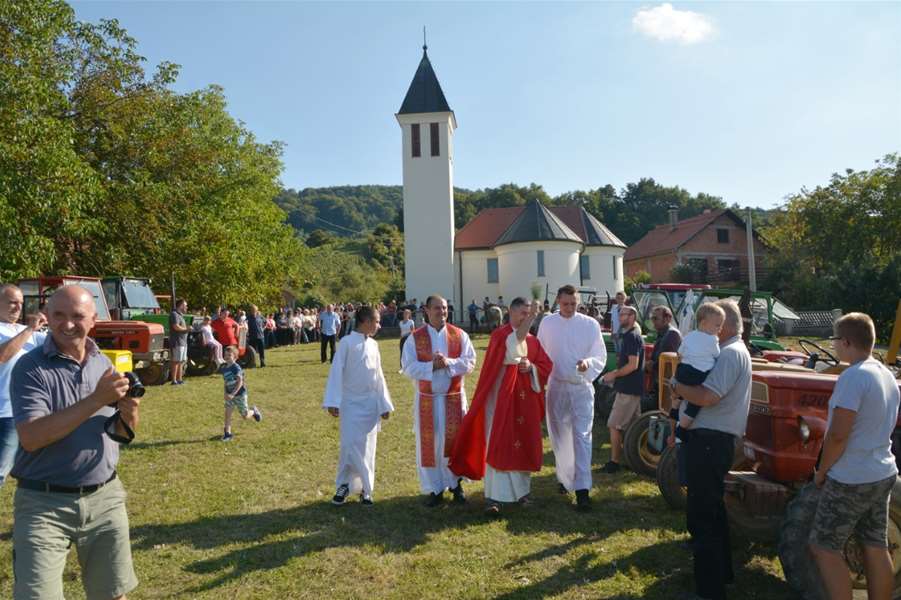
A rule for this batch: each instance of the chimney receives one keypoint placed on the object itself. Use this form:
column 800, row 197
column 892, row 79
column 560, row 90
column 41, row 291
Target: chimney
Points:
column 673, row 217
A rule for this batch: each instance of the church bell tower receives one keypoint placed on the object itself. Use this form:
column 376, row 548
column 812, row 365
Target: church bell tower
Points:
column 427, row 124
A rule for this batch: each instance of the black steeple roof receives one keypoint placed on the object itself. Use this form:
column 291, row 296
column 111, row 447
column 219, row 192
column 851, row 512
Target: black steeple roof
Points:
column 424, row 95
column 537, row 224
column 596, row 234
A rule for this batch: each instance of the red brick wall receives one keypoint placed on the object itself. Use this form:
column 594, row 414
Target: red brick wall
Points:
column 658, row 266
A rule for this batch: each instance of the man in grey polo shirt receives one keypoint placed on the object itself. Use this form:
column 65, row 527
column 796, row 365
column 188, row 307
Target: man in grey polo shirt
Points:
column 68, row 492
column 710, row 447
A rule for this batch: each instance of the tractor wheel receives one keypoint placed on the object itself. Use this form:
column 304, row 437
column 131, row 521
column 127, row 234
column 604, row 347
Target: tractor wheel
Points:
column 673, row 492
column 155, row 374
column 250, row 360
column 603, row 402
column 638, row 456
column 801, row 572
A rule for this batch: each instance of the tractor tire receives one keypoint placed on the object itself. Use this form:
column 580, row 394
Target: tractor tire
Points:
column 673, row 492
column 250, row 360
column 155, row 374
column 604, row 395
column 801, row 572
column 636, row 453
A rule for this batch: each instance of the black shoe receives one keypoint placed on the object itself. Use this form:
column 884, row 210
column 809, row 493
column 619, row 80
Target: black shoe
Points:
column 340, row 495
column 583, row 502
column 434, row 500
column 561, row 489
column 365, row 500
column 493, row 509
column 459, row 496
column 611, row 467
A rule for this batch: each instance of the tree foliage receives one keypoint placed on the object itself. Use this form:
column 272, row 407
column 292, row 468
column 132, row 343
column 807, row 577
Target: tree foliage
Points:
column 839, row 245
column 105, row 169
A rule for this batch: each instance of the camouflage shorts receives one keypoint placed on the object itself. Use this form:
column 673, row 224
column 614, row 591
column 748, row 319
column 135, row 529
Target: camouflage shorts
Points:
column 845, row 509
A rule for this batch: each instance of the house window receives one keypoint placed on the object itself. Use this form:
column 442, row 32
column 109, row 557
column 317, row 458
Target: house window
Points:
column 584, row 267
column 699, row 269
column 540, row 263
column 492, row 270
column 414, row 130
column 722, row 236
column 434, row 140
column 729, row 269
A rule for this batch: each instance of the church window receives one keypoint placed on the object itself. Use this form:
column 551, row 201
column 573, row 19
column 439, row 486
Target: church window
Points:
column 615, row 269
column 434, row 140
column 584, row 267
column 541, row 263
column 414, row 130
column 492, row 270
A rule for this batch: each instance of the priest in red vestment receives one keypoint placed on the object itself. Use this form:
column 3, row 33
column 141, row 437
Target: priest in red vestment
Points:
column 500, row 438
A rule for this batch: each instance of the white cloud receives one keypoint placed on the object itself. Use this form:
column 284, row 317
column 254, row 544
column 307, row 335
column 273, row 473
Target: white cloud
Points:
column 666, row 24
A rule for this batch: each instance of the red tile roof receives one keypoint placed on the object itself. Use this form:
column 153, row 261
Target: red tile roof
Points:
column 487, row 227
column 664, row 239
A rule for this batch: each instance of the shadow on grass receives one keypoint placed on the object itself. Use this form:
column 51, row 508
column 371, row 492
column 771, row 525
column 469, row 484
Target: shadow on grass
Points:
column 163, row 443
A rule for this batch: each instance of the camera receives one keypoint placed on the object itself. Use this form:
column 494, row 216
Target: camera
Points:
column 135, row 387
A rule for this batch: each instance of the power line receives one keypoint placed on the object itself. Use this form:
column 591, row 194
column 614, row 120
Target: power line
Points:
column 340, row 226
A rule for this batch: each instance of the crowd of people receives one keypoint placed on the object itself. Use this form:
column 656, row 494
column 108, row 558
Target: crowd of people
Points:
column 65, row 411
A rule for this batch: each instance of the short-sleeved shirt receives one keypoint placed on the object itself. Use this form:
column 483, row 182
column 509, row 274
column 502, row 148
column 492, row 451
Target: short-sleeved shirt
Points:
column 614, row 319
column 255, row 327
column 7, row 332
column 633, row 383
column 46, row 381
column 730, row 379
column 329, row 323
column 177, row 339
column 699, row 350
column 407, row 327
column 473, row 310
column 231, row 374
column 225, row 331
column 869, row 389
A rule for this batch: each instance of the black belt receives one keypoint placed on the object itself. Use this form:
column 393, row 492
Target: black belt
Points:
column 43, row 486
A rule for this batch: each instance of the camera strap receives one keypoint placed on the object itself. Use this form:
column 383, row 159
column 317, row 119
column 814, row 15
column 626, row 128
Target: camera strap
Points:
column 110, row 428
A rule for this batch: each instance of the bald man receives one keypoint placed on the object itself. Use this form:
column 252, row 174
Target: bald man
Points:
column 68, row 492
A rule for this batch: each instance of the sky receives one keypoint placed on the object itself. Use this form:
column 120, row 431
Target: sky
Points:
column 744, row 100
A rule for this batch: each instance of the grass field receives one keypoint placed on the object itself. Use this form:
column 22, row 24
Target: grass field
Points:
column 251, row 518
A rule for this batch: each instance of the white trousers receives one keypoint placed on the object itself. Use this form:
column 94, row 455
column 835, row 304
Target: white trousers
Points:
column 570, row 416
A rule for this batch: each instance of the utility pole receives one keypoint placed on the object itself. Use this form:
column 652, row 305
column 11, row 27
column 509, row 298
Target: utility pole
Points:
column 752, row 267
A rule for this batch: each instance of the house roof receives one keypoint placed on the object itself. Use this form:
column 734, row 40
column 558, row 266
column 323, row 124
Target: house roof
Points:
column 535, row 223
column 492, row 225
column 583, row 223
column 664, row 238
column 424, row 94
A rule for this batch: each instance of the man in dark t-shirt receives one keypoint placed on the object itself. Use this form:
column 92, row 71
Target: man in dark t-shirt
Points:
column 628, row 381
column 178, row 341
column 668, row 339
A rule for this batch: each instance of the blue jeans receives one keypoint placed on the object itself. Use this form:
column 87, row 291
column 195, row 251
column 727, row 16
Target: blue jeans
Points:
column 9, row 443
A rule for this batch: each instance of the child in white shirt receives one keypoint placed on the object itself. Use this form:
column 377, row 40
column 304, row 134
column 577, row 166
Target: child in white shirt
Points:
column 407, row 325
column 208, row 340
column 697, row 355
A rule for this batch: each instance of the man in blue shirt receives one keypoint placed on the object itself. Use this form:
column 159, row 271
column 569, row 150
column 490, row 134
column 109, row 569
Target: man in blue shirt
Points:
column 256, row 335
column 329, row 323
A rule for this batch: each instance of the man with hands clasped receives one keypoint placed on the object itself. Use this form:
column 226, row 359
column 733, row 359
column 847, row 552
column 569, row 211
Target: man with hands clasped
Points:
column 68, row 492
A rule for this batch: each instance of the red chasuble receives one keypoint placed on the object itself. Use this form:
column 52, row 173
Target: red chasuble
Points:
column 515, row 443
column 453, row 399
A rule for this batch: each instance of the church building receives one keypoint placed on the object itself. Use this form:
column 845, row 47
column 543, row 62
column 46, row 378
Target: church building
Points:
column 502, row 251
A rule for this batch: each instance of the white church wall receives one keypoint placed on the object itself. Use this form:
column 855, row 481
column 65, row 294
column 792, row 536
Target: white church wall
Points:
column 603, row 276
column 428, row 207
column 518, row 265
column 475, row 277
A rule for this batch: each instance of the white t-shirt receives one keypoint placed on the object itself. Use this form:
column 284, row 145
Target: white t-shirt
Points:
column 207, row 332
column 869, row 389
column 7, row 332
column 407, row 327
column 700, row 350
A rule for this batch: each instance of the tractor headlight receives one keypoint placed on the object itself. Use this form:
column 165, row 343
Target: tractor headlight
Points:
column 805, row 431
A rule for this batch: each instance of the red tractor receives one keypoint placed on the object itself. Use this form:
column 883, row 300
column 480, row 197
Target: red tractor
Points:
column 146, row 341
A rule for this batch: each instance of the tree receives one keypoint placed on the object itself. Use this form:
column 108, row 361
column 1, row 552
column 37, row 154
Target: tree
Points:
column 319, row 237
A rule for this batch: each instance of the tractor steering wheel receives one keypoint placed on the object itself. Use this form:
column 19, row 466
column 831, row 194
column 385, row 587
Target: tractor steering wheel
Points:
column 831, row 358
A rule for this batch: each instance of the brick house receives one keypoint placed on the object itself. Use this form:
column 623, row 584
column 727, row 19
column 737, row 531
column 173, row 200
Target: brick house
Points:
column 715, row 243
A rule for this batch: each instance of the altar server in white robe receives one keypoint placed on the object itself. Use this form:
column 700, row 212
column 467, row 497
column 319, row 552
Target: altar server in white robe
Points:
column 576, row 347
column 437, row 357
column 357, row 394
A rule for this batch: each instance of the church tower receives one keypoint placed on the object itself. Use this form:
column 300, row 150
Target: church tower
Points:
column 428, row 125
